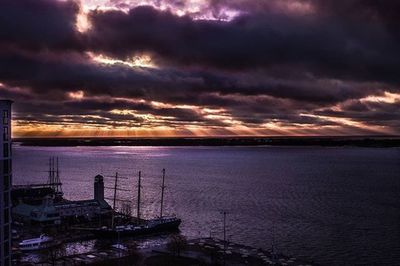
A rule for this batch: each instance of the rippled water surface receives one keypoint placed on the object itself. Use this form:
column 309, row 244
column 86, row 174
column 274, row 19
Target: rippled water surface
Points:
column 332, row 205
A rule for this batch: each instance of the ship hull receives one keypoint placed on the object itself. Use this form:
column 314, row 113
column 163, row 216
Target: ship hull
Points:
column 161, row 228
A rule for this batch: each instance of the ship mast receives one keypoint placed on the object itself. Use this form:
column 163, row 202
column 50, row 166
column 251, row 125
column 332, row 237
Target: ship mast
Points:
column 162, row 193
column 138, row 198
column 114, row 199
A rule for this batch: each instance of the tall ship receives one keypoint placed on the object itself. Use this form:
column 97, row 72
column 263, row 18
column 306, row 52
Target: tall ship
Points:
column 152, row 226
column 159, row 224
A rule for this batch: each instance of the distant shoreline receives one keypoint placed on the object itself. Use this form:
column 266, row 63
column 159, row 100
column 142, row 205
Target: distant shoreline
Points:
column 357, row 141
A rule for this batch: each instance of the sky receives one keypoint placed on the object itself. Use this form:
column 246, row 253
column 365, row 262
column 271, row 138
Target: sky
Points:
column 162, row 68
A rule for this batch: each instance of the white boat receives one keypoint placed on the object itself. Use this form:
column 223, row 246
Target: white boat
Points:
column 41, row 242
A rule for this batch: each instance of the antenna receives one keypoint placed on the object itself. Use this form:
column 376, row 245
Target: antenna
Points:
column 49, row 179
column 57, row 180
column 52, row 172
column 162, row 192
column 54, row 181
column 57, row 175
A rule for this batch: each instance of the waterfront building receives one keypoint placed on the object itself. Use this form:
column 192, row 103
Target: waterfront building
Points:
column 5, row 183
column 48, row 211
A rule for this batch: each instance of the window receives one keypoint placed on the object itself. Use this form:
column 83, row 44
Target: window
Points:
column 6, row 220
column 6, row 182
column 6, row 198
column 5, row 117
column 6, row 249
column 6, row 167
column 5, row 133
column 6, row 150
column 52, row 215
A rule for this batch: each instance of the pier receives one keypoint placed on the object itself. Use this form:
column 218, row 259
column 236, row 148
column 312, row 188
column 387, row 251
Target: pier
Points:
column 202, row 251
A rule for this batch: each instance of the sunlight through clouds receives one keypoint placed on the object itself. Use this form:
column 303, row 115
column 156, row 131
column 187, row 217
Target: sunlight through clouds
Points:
column 201, row 67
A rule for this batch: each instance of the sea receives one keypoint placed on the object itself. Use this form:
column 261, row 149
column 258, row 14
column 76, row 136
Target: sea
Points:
column 330, row 205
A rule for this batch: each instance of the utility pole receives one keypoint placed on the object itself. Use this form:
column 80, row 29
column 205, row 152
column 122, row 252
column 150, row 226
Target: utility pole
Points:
column 224, row 213
column 138, row 198
column 224, row 229
column 273, row 240
column 162, row 192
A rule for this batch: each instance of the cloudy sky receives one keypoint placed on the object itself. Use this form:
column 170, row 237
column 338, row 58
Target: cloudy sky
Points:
column 201, row 67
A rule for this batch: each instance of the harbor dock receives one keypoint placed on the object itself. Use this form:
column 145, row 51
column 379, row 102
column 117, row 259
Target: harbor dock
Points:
column 202, row 251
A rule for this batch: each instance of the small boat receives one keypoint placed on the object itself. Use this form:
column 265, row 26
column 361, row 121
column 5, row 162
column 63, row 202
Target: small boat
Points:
column 32, row 244
column 157, row 225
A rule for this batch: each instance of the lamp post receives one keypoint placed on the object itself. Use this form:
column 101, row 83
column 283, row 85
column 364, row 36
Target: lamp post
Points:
column 224, row 213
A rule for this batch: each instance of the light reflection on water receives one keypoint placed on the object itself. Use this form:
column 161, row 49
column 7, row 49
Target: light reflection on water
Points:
column 333, row 205
column 86, row 246
column 65, row 249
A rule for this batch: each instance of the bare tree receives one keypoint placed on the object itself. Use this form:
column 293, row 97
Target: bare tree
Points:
column 126, row 209
column 176, row 244
column 54, row 253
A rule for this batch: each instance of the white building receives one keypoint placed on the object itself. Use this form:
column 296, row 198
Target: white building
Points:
column 5, row 183
column 50, row 212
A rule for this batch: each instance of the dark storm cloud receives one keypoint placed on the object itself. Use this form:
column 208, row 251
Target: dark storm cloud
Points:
column 268, row 64
column 55, row 75
column 374, row 113
column 98, row 110
column 325, row 46
column 243, row 100
column 106, row 105
column 71, row 72
column 258, row 109
column 39, row 24
column 385, row 11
